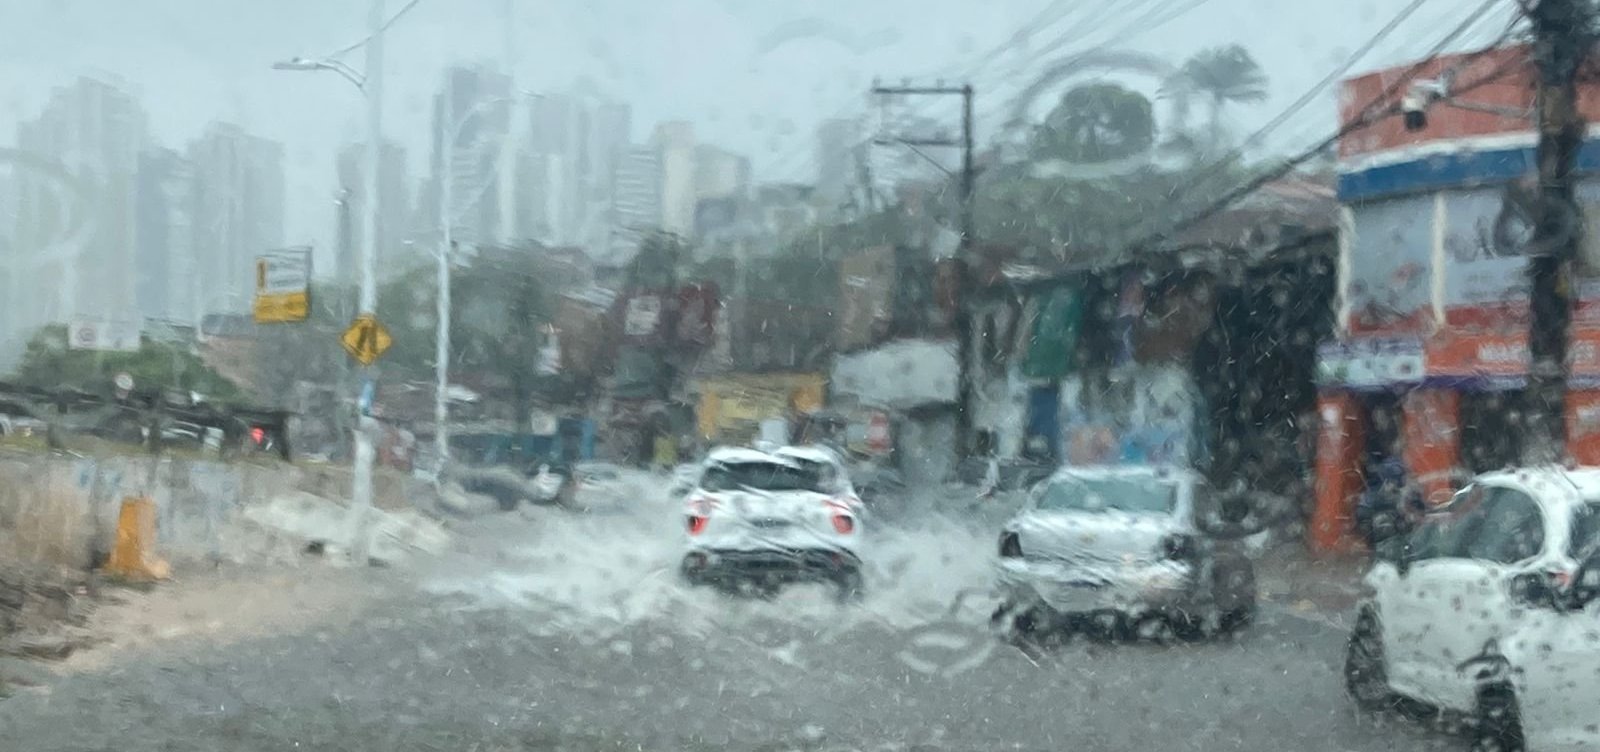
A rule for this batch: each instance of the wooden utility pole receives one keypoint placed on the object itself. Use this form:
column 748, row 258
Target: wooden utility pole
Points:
column 1562, row 36
column 968, row 185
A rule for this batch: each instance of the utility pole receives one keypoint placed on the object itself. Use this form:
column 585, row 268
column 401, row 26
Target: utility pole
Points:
column 366, row 454
column 1562, row 35
column 963, row 260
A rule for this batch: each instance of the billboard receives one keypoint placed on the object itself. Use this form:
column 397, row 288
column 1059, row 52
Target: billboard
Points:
column 283, row 286
column 1485, row 283
column 1388, row 285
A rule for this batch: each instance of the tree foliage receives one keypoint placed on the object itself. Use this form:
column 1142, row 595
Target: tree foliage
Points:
column 47, row 362
column 1096, row 123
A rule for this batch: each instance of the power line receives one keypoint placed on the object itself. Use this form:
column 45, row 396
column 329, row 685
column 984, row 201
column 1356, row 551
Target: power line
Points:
column 385, row 27
column 1366, row 117
column 1222, row 163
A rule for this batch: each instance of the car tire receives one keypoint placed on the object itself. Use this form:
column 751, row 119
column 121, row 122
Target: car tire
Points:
column 1366, row 677
column 1499, row 722
column 1025, row 626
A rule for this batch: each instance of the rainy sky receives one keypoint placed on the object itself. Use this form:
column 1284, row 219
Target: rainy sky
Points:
column 754, row 76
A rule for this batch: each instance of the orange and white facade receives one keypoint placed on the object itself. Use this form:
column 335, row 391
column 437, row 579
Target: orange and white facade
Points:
column 1433, row 289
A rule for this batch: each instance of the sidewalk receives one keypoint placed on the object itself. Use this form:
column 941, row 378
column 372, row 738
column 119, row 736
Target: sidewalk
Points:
column 1325, row 588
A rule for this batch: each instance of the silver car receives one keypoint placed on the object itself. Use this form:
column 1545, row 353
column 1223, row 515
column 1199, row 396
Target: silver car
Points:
column 1122, row 550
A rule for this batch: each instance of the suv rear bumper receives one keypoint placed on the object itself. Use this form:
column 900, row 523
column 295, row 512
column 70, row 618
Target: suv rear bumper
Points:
column 701, row 566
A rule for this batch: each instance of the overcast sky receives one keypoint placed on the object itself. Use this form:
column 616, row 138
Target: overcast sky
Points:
column 753, row 75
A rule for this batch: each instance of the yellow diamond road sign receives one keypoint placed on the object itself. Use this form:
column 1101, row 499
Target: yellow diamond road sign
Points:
column 366, row 339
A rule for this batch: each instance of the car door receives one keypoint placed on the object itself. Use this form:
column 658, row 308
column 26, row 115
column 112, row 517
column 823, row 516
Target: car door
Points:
column 1471, row 594
column 1415, row 597
column 1558, row 678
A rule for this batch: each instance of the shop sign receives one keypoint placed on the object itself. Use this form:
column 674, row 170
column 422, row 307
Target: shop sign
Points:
column 1498, row 358
column 1370, row 363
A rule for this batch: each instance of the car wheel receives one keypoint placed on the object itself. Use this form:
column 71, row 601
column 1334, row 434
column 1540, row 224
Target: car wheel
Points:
column 1499, row 723
column 1365, row 677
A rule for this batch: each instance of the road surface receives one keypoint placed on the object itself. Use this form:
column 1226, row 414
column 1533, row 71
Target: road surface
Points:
column 570, row 632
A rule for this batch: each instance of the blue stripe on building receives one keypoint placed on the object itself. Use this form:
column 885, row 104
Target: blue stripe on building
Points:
column 1439, row 171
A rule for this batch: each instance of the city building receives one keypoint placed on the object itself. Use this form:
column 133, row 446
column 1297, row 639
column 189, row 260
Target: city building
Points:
column 838, row 144
column 74, row 209
column 636, row 209
column 394, row 205
column 239, row 213
column 1431, row 362
column 164, row 254
column 674, row 142
column 474, row 102
column 720, row 173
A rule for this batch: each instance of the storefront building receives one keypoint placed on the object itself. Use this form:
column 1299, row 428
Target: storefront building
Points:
column 1432, row 358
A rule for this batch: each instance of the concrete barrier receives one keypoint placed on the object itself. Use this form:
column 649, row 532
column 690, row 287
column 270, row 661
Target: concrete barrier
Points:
column 63, row 510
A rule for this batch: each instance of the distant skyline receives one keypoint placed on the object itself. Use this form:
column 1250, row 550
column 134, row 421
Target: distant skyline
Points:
column 753, row 78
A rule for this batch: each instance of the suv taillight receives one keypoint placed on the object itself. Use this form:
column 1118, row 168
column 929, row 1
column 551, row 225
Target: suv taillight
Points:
column 697, row 524
column 844, row 524
column 1010, row 546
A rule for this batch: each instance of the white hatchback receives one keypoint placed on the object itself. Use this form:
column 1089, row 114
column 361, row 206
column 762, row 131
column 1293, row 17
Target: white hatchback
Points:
column 760, row 521
column 1442, row 592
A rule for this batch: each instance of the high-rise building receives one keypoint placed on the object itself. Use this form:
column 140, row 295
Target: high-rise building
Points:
column 637, row 208
column 394, row 204
column 239, row 213
column 474, row 104
column 74, row 209
column 837, row 143
column 164, row 256
column 674, row 142
column 720, row 173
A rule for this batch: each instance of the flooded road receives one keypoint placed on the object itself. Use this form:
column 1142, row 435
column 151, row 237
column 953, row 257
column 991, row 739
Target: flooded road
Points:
column 559, row 631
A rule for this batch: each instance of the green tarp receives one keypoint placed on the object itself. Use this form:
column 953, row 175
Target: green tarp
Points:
column 1053, row 348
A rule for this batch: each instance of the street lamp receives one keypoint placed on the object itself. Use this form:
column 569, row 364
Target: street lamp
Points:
column 307, row 64
column 371, row 85
column 441, row 354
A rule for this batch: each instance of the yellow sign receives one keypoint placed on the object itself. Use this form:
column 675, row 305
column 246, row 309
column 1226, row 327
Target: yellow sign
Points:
column 366, row 339
column 283, row 286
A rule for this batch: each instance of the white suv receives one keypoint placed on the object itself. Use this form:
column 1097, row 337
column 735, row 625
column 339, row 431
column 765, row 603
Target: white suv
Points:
column 1442, row 592
column 760, row 521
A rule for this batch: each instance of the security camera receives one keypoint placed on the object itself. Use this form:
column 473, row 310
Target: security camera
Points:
column 1419, row 96
column 1415, row 110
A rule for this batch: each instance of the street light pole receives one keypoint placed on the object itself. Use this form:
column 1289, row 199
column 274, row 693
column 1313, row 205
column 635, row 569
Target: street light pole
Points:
column 365, row 453
column 441, row 352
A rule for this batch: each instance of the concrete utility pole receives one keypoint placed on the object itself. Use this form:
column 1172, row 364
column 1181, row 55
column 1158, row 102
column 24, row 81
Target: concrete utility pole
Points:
column 1562, row 35
column 366, row 454
column 963, row 323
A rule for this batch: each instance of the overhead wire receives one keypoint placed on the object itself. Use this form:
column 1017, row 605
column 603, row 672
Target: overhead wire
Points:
column 1221, row 164
column 1368, row 114
column 385, row 27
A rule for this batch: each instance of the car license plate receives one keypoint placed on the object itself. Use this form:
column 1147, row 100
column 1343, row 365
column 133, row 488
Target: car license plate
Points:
column 769, row 523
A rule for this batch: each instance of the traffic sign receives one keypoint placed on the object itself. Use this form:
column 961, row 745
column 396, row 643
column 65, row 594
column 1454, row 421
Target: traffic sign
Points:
column 366, row 339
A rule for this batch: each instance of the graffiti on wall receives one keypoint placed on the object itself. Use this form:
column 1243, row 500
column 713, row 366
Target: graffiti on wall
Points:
column 1143, row 415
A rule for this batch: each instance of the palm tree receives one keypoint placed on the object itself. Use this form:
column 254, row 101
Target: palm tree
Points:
column 1224, row 75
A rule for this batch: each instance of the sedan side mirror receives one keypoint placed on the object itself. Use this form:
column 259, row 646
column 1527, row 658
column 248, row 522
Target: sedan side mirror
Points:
column 1534, row 590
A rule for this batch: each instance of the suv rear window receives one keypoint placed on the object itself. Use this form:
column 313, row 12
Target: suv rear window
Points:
column 761, row 476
